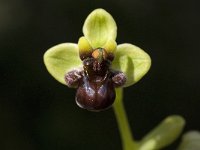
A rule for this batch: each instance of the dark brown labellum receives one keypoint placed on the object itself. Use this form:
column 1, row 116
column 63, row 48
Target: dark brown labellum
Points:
column 96, row 82
column 96, row 94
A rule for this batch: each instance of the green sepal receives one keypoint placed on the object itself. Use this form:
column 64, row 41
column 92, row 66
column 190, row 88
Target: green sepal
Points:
column 61, row 59
column 132, row 61
column 99, row 27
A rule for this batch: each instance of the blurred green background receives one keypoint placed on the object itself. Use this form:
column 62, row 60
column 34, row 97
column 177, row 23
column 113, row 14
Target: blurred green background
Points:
column 38, row 113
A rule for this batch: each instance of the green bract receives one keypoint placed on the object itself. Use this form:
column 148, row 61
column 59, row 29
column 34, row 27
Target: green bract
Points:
column 190, row 141
column 164, row 134
column 99, row 30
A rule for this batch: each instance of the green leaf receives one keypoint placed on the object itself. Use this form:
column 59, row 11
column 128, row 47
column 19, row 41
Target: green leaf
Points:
column 132, row 61
column 61, row 59
column 164, row 134
column 190, row 141
column 99, row 27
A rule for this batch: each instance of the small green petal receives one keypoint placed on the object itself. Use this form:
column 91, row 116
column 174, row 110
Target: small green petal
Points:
column 164, row 134
column 132, row 61
column 99, row 27
column 61, row 59
column 85, row 48
column 110, row 46
column 84, row 45
column 190, row 141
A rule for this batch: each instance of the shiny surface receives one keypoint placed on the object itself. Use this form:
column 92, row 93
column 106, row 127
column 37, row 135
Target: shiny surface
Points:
column 95, row 94
column 96, row 87
column 96, row 90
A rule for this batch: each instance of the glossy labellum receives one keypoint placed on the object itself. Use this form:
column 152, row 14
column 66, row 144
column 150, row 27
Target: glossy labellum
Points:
column 96, row 82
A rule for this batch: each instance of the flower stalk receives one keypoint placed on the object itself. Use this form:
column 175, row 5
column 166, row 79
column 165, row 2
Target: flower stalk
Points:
column 123, row 124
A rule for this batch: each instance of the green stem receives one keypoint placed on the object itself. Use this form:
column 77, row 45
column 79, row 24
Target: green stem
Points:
column 122, row 120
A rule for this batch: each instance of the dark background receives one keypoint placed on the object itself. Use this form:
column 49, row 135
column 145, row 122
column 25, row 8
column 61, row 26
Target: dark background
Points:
column 38, row 113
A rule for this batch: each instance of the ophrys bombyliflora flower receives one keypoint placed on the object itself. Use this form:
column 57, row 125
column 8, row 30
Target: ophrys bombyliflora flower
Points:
column 97, row 65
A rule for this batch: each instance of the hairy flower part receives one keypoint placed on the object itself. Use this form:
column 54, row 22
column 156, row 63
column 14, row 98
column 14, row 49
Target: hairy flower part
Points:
column 72, row 78
column 119, row 79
